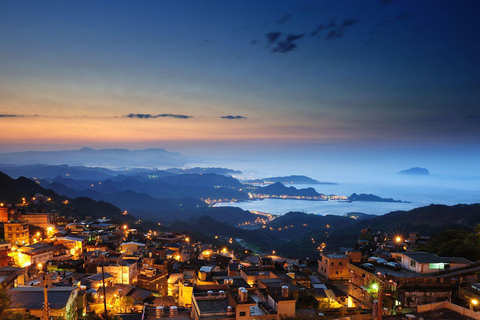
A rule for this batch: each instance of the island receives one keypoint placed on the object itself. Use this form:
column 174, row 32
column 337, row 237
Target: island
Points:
column 416, row 171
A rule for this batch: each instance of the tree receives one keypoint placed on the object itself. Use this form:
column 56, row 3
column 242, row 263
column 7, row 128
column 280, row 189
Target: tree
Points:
column 10, row 315
column 97, row 316
column 4, row 301
column 121, row 304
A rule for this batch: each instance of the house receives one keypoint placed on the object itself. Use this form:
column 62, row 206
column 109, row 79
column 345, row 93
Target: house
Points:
column 35, row 254
column 425, row 262
column 75, row 243
column 62, row 301
column 5, row 248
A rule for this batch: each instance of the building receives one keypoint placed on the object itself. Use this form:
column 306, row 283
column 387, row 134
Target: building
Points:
column 125, row 271
column 425, row 262
column 151, row 279
column 399, row 288
column 75, row 243
column 38, row 253
column 11, row 277
column 335, row 266
column 5, row 248
column 62, row 301
column 42, row 220
column 17, row 232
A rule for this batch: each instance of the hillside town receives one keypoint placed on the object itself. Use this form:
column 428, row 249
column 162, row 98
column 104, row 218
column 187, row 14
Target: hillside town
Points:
column 59, row 267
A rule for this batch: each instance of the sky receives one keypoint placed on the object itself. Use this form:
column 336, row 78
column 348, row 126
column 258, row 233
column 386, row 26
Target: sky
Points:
column 238, row 76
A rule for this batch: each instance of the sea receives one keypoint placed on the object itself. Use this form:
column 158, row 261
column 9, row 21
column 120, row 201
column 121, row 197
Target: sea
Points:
column 413, row 191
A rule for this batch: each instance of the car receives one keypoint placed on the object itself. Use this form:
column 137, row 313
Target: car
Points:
column 392, row 265
column 368, row 267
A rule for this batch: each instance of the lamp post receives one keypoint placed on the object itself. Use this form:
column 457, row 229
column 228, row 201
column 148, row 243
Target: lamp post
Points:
column 473, row 304
column 377, row 304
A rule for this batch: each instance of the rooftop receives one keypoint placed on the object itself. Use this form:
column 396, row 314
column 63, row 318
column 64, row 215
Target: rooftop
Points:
column 32, row 297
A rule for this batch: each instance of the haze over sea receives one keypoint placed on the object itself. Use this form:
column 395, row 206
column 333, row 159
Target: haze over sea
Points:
column 445, row 186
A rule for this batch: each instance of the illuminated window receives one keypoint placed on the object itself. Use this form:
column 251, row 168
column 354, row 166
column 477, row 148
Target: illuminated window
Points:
column 412, row 263
column 436, row 266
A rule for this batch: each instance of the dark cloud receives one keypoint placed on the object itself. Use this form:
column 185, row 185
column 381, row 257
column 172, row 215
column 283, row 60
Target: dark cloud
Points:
column 284, row 46
column 151, row 116
column 285, row 18
column 233, row 117
column 319, row 28
column 338, row 31
column 11, row 116
column 335, row 34
column 332, row 23
column 178, row 116
column 294, row 37
column 404, row 15
column 273, row 36
column 419, row 28
column 288, row 44
column 385, row 22
column 349, row 22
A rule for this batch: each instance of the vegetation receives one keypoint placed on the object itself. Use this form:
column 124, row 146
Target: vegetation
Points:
column 455, row 243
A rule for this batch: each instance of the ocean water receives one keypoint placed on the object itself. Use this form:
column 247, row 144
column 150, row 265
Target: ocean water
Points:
column 417, row 191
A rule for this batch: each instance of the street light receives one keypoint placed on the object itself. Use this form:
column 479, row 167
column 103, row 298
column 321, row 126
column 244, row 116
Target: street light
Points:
column 473, row 304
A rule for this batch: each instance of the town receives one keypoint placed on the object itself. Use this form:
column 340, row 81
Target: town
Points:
column 57, row 267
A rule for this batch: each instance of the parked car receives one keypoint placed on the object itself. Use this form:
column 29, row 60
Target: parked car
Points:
column 392, row 265
column 368, row 267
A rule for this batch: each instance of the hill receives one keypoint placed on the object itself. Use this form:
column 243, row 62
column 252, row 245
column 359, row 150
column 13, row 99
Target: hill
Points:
column 293, row 179
column 370, row 197
column 278, row 189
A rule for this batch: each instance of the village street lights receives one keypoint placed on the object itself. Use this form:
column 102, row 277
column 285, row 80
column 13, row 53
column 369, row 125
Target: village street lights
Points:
column 473, row 304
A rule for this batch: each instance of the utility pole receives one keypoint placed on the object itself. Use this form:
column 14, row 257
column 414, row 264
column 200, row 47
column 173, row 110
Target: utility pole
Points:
column 46, row 305
column 104, row 294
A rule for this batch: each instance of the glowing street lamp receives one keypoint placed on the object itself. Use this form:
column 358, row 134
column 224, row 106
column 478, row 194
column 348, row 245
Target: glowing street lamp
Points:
column 473, row 304
column 398, row 239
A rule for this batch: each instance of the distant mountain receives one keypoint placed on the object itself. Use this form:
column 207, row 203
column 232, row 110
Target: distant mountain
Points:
column 51, row 171
column 294, row 179
column 371, row 197
column 278, row 189
column 103, row 157
column 415, row 172
column 219, row 171
column 198, row 186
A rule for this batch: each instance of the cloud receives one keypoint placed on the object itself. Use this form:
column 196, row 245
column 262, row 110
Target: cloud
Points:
column 338, row 31
column 348, row 23
column 319, row 28
column 335, row 34
column 404, row 15
column 233, row 117
column 273, row 36
column 385, row 22
column 332, row 23
column 285, row 18
column 288, row 44
column 151, row 116
column 11, row 116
